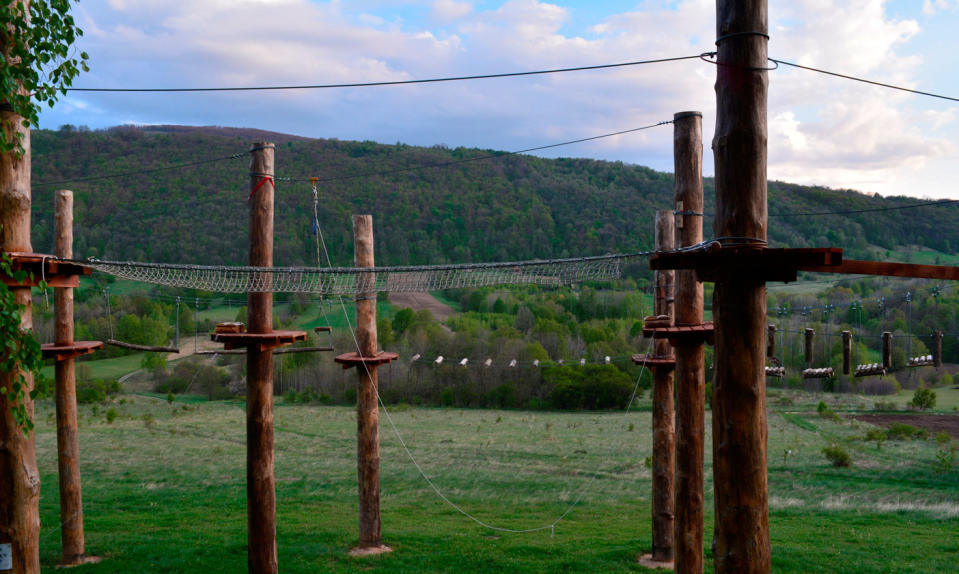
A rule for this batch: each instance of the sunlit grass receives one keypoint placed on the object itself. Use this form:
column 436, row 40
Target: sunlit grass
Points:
column 164, row 490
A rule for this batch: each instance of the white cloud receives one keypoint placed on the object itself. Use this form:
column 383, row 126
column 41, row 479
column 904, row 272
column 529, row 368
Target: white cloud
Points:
column 821, row 130
column 446, row 11
column 930, row 7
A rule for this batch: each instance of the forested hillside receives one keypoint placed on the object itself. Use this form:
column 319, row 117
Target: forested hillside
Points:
column 506, row 208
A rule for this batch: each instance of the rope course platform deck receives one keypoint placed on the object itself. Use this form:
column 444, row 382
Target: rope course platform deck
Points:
column 354, row 359
column 262, row 341
column 40, row 267
column 822, row 373
column 870, row 370
column 778, row 372
column 366, row 280
column 655, row 361
column 686, row 333
column 64, row 352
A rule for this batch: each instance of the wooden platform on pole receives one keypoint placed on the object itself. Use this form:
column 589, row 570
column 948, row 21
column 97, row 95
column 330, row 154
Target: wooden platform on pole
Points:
column 65, row 350
column 366, row 359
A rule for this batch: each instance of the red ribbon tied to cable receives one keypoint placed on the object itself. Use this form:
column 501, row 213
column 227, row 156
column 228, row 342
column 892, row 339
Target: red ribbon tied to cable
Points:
column 266, row 178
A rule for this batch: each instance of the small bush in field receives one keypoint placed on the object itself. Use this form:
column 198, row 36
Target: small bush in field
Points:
column 837, row 456
column 923, row 399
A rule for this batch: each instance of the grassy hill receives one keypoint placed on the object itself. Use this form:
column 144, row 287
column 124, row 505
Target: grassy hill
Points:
column 506, row 208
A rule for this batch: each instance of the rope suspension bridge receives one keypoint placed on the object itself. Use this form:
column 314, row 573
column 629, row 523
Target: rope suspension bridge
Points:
column 352, row 280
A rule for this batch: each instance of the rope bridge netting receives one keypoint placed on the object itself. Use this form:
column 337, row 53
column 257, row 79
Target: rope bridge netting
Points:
column 356, row 280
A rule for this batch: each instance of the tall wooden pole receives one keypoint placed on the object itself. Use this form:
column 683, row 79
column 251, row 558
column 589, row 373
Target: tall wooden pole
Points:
column 690, row 355
column 663, row 417
column 19, row 477
column 741, row 541
column 68, row 444
column 810, row 336
column 260, row 482
column 887, row 349
column 846, row 351
column 367, row 408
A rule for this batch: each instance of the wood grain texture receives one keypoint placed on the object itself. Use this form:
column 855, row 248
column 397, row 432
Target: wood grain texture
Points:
column 690, row 354
column 367, row 408
column 741, row 538
column 65, row 396
column 663, row 412
column 19, row 477
column 260, row 481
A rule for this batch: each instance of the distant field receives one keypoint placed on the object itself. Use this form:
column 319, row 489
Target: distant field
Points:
column 164, row 490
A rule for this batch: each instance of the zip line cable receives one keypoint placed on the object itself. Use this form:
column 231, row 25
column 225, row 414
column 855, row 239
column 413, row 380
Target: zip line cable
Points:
column 865, row 81
column 472, row 159
column 391, row 82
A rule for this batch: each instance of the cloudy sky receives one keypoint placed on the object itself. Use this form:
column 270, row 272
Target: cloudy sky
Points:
column 822, row 130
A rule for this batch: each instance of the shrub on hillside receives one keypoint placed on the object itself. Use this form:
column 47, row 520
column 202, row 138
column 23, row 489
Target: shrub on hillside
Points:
column 96, row 390
column 589, row 387
column 923, row 399
column 903, row 431
column 837, row 456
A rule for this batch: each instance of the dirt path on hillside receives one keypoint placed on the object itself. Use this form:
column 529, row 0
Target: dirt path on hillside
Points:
column 416, row 301
column 932, row 423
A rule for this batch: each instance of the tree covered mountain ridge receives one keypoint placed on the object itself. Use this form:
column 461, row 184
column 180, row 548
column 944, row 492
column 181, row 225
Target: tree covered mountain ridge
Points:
column 512, row 207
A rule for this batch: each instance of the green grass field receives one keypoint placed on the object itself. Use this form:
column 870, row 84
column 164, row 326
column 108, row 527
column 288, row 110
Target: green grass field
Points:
column 164, row 491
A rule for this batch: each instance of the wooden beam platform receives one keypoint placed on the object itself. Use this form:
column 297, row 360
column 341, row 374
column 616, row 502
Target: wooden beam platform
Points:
column 39, row 267
column 655, row 362
column 64, row 352
column 889, row 269
column 685, row 333
column 261, row 341
column 759, row 263
column 354, row 359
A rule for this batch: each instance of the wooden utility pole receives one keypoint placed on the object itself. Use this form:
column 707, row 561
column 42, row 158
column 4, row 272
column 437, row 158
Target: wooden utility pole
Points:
column 68, row 443
column 810, row 336
column 663, row 417
column 887, row 350
column 367, row 407
column 741, row 541
column 846, row 351
column 690, row 353
column 260, row 482
column 19, row 477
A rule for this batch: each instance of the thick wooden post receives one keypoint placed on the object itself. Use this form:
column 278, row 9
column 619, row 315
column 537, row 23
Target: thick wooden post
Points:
column 741, row 541
column 260, row 482
column 68, row 444
column 937, row 349
column 19, row 478
column 846, row 352
column 887, row 349
column 663, row 423
column 367, row 407
column 690, row 356
column 810, row 335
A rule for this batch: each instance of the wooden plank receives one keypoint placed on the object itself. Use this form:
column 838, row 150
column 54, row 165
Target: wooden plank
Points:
column 888, row 268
